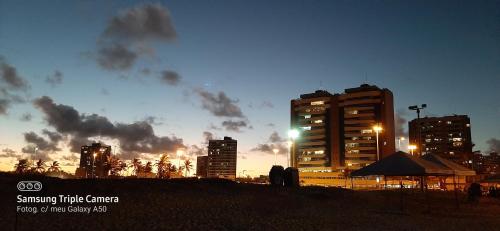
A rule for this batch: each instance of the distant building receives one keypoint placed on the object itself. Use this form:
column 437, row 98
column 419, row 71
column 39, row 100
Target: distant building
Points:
column 94, row 161
column 447, row 136
column 222, row 158
column 202, row 166
column 486, row 164
column 336, row 131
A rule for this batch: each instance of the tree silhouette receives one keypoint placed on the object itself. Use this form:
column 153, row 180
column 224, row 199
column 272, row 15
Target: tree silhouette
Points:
column 137, row 165
column 39, row 166
column 149, row 167
column 22, row 166
column 188, row 166
column 116, row 165
column 54, row 167
column 162, row 166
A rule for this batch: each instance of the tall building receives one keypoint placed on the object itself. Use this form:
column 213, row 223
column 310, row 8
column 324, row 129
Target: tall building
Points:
column 447, row 136
column 94, row 161
column 201, row 166
column 337, row 131
column 222, row 158
column 486, row 164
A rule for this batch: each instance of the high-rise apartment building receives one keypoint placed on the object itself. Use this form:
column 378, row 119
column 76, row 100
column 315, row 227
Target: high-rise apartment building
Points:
column 222, row 158
column 201, row 166
column 94, row 161
column 337, row 130
column 447, row 136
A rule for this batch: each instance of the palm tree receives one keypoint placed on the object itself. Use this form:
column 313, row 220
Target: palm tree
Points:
column 116, row 165
column 137, row 165
column 161, row 165
column 22, row 166
column 40, row 166
column 169, row 169
column 54, row 167
column 149, row 167
column 179, row 170
column 188, row 166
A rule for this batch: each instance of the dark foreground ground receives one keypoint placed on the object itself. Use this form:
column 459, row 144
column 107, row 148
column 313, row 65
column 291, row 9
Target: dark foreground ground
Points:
column 148, row 204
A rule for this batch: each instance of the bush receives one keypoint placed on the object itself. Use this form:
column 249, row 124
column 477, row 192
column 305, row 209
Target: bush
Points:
column 276, row 175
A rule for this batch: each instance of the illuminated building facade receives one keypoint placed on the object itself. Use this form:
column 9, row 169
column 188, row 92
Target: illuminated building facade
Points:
column 447, row 136
column 94, row 161
column 337, row 130
column 222, row 155
column 201, row 166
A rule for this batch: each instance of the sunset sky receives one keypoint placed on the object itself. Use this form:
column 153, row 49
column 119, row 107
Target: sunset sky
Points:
column 153, row 77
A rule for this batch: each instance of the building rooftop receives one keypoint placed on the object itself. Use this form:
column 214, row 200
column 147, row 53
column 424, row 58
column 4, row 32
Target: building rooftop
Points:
column 318, row 93
column 362, row 87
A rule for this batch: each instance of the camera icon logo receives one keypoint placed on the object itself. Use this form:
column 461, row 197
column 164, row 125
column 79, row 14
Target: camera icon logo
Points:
column 29, row 186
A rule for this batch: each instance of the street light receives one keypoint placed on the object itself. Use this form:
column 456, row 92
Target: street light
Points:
column 93, row 164
column 293, row 134
column 399, row 142
column 377, row 129
column 417, row 108
column 412, row 147
column 275, row 150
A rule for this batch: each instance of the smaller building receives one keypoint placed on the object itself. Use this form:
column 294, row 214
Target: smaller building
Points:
column 201, row 166
column 222, row 158
column 94, row 161
column 486, row 164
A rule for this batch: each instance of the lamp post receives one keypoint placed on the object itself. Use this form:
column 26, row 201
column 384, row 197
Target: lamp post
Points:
column 377, row 129
column 412, row 147
column 275, row 150
column 93, row 164
column 418, row 108
column 399, row 142
column 293, row 134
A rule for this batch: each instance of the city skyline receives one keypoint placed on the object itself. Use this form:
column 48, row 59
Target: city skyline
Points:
column 166, row 75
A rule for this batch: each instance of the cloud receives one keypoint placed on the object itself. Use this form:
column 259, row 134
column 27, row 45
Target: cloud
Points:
column 208, row 136
column 40, row 143
column 273, row 142
column 129, row 34
column 54, row 79
column 153, row 120
column 170, row 77
column 234, row 126
column 271, row 125
column 116, row 57
column 9, row 76
column 219, row 104
column 142, row 23
column 194, row 150
column 400, row 123
column 8, row 153
column 494, row 145
column 26, row 117
column 267, row 104
column 11, row 84
column 104, row 91
column 134, row 138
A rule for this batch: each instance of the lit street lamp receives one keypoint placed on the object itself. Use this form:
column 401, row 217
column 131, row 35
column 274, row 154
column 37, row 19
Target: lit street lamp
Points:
column 399, row 142
column 93, row 164
column 377, row 129
column 293, row 134
column 417, row 108
column 412, row 147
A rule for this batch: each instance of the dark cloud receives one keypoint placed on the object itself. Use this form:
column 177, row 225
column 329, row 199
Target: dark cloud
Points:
column 267, row 104
column 142, row 23
column 116, row 57
column 11, row 84
column 145, row 71
column 400, row 123
column 170, row 77
column 219, row 104
column 26, row 117
column 71, row 158
column 54, row 79
column 274, row 142
column 128, row 35
column 54, row 137
column 104, row 91
column 208, row 136
column 234, row 126
column 134, row 138
column 194, row 150
column 493, row 145
column 40, row 143
column 153, row 120
column 213, row 127
column 9, row 76
column 271, row 125
column 8, row 153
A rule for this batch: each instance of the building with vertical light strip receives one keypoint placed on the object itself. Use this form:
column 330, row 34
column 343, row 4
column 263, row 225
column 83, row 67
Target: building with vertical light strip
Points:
column 337, row 132
column 222, row 156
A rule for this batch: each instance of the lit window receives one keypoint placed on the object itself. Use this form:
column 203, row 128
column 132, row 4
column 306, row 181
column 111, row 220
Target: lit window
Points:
column 307, row 116
column 306, row 128
column 457, row 144
column 369, row 131
column 457, row 139
column 448, row 122
column 318, row 121
column 319, row 152
column 317, row 103
column 427, row 140
column 452, row 153
column 467, row 125
column 352, row 112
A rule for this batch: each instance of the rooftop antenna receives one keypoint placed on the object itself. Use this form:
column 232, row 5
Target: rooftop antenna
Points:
column 366, row 78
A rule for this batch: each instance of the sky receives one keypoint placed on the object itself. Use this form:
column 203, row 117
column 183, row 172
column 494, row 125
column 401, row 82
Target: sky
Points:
column 152, row 77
